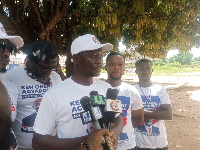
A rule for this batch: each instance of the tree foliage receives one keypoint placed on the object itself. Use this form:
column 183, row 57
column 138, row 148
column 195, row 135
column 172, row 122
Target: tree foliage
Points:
column 182, row 58
column 153, row 27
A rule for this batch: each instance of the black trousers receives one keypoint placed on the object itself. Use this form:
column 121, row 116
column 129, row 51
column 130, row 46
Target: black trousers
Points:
column 135, row 148
column 164, row 148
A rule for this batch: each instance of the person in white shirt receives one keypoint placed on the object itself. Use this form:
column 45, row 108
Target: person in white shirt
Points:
column 32, row 80
column 133, row 113
column 8, row 45
column 61, row 106
column 157, row 108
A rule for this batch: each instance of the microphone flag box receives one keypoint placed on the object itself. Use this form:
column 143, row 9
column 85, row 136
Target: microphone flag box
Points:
column 97, row 113
column 85, row 117
column 113, row 105
column 98, row 100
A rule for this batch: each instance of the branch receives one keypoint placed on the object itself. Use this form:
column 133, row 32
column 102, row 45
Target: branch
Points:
column 38, row 14
column 59, row 13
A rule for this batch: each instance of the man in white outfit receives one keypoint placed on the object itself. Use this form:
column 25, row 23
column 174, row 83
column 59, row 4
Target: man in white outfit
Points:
column 61, row 106
column 132, row 107
column 32, row 80
column 157, row 108
column 8, row 45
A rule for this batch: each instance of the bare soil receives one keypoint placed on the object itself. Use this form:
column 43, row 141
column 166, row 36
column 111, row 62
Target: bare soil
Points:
column 184, row 92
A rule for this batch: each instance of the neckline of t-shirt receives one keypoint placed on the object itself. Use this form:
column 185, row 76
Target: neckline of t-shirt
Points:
column 82, row 86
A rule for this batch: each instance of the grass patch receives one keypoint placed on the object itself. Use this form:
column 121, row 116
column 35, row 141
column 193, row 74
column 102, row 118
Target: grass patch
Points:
column 169, row 71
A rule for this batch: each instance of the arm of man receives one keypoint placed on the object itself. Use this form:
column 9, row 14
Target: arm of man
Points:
column 137, row 117
column 43, row 142
column 137, row 113
column 45, row 122
column 164, row 112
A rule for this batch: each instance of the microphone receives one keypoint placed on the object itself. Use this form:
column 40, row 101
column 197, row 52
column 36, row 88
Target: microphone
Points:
column 91, row 114
column 113, row 106
column 98, row 100
column 94, row 109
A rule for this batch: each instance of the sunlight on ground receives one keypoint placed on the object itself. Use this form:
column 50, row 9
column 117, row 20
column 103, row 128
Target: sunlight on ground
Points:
column 178, row 146
column 198, row 138
column 195, row 95
column 182, row 110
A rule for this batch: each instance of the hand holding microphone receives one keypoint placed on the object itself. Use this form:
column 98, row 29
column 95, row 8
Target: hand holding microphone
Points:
column 93, row 107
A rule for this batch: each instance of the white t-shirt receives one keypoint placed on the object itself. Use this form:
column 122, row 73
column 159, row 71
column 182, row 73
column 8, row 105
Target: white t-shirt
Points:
column 131, row 100
column 61, row 108
column 152, row 134
column 30, row 93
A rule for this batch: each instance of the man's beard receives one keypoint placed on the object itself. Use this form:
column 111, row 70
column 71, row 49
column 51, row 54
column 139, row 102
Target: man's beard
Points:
column 115, row 78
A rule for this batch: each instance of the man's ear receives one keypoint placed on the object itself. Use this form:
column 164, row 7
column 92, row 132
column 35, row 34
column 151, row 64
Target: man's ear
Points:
column 76, row 59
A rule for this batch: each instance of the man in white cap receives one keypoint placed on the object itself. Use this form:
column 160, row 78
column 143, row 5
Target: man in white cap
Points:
column 8, row 45
column 60, row 107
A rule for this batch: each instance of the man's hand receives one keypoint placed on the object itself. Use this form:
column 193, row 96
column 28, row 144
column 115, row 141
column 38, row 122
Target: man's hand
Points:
column 96, row 137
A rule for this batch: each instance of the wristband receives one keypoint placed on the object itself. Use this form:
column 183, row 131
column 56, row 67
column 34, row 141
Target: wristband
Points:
column 85, row 144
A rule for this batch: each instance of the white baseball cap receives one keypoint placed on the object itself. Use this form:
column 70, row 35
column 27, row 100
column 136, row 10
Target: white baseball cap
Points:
column 15, row 40
column 88, row 42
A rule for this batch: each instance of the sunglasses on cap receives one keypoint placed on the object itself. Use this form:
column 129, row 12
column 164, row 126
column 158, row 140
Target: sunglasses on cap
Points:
column 10, row 47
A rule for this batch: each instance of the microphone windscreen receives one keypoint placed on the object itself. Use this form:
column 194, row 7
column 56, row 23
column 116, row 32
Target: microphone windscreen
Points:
column 86, row 103
column 112, row 93
column 93, row 93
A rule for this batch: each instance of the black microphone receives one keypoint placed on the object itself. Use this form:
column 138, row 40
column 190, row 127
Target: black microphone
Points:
column 98, row 100
column 113, row 105
column 91, row 114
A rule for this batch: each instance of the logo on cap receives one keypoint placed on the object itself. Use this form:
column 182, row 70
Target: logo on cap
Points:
column 95, row 40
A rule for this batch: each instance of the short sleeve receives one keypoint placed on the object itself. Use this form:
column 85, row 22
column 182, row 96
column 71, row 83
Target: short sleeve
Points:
column 45, row 120
column 164, row 97
column 137, row 101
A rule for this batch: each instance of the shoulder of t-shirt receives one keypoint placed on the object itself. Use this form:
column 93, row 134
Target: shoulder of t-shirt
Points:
column 158, row 86
column 11, row 88
column 13, row 74
column 130, row 87
column 14, row 71
column 55, row 76
column 98, row 81
column 60, row 84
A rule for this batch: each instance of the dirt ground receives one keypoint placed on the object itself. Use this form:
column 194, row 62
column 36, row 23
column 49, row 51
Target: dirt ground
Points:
column 184, row 92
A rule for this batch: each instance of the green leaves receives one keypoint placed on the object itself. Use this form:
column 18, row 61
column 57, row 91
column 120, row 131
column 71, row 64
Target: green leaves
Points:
column 153, row 27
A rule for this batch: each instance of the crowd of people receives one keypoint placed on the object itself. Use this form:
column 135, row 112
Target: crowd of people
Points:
column 41, row 111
